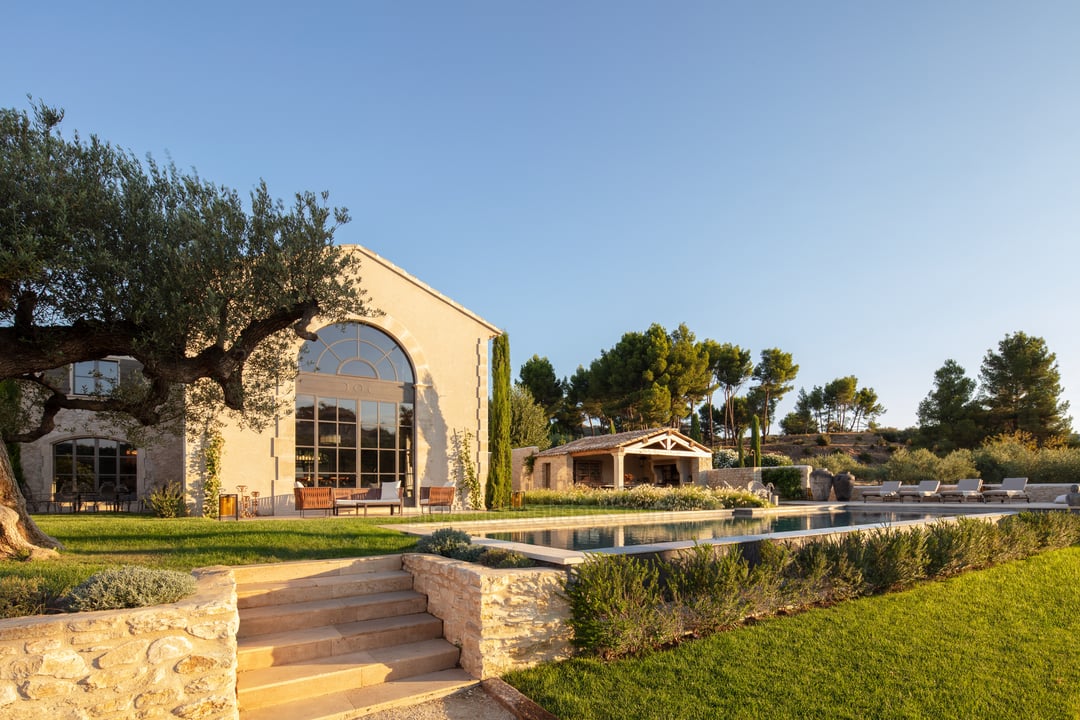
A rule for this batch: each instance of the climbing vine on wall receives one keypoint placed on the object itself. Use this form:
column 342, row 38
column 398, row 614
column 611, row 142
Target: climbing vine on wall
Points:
column 465, row 476
column 213, row 444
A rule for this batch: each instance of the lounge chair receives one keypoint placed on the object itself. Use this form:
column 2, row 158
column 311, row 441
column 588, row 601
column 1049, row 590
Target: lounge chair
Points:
column 885, row 491
column 925, row 490
column 1010, row 488
column 965, row 489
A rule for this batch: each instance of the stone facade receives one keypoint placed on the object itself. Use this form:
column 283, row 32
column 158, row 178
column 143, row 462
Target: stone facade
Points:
column 167, row 661
column 501, row 619
column 447, row 348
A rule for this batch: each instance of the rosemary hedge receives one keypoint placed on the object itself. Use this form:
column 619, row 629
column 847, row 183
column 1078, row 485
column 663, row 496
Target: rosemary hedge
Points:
column 623, row 605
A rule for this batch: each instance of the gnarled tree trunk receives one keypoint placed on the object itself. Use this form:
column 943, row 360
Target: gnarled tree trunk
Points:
column 20, row 536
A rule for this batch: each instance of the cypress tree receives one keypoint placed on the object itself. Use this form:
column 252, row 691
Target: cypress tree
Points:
column 499, row 482
column 755, row 441
column 695, row 428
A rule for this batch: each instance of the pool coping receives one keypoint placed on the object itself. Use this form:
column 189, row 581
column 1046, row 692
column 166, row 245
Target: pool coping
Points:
column 561, row 557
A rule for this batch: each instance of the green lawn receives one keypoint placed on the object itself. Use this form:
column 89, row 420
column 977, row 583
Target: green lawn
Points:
column 94, row 541
column 999, row 643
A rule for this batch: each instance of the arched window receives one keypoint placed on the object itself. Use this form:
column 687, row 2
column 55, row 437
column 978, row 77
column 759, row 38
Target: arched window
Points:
column 357, row 350
column 354, row 409
column 88, row 464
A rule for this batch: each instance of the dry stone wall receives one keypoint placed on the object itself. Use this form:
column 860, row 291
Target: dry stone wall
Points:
column 167, row 661
column 501, row 619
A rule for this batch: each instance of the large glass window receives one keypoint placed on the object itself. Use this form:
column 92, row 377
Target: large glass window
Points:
column 88, row 464
column 361, row 438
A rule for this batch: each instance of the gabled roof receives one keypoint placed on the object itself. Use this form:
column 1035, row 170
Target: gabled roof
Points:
column 375, row 257
column 654, row 441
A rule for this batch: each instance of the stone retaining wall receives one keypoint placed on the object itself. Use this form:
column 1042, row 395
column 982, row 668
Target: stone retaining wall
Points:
column 501, row 619
column 742, row 477
column 167, row 661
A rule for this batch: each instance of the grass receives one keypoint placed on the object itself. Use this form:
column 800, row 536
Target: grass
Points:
column 95, row 541
column 991, row 644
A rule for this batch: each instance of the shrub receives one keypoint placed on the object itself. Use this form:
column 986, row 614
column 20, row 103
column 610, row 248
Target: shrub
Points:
column 457, row 544
column 786, row 480
column 168, row 501
column 894, row 558
column 1054, row 529
column 725, row 458
column 824, row 440
column 130, row 586
column 824, row 572
column 837, row 462
column 911, row 466
column 956, row 547
column 774, row 460
column 497, row 557
column 707, row 585
column 1017, row 455
column 21, row 596
column 468, row 553
column 443, row 541
column 648, row 497
column 766, row 589
column 617, row 607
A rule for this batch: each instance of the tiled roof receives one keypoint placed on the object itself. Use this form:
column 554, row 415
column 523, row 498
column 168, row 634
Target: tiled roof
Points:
column 605, row 442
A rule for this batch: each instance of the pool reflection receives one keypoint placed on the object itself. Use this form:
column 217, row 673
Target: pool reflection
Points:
column 595, row 537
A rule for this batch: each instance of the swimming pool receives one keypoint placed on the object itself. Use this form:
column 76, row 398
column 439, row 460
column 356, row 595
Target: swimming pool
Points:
column 591, row 537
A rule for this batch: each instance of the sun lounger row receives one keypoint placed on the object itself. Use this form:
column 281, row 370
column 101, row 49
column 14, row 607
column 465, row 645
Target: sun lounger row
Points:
column 970, row 488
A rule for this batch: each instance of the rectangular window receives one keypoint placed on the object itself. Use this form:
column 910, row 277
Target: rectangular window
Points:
column 95, row 377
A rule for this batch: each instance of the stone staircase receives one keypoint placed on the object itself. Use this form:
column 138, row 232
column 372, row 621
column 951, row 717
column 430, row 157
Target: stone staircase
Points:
column 337, row 639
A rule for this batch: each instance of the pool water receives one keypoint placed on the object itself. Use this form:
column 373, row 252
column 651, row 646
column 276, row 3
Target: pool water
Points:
column 597, row 537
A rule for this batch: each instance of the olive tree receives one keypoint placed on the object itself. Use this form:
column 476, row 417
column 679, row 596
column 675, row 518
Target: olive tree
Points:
column 102, row 254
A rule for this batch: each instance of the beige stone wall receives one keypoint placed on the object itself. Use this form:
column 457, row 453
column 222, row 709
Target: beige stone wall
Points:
column 448, row 346
column 160, row 461
column 519, row 471
column 729, row 477
column 501, row 619
column 560, row 470
column 168, row 661
column 741, row 477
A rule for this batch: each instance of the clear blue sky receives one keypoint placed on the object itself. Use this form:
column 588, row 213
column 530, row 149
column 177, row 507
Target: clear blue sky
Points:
column 873, row 187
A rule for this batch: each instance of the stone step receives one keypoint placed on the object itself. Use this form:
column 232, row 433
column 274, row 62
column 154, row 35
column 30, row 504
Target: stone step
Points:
column 320, row 587
column 273, row 572
column 357, row 703
column 297, row 646
column 335, row 611
column 274, row 686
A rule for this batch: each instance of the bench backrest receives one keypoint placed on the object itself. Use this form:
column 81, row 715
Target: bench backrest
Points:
column 314, row 498
column 441, row 495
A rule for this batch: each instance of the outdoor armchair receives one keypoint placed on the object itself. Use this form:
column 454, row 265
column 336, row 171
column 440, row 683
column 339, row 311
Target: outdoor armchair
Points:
column 433, row 497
